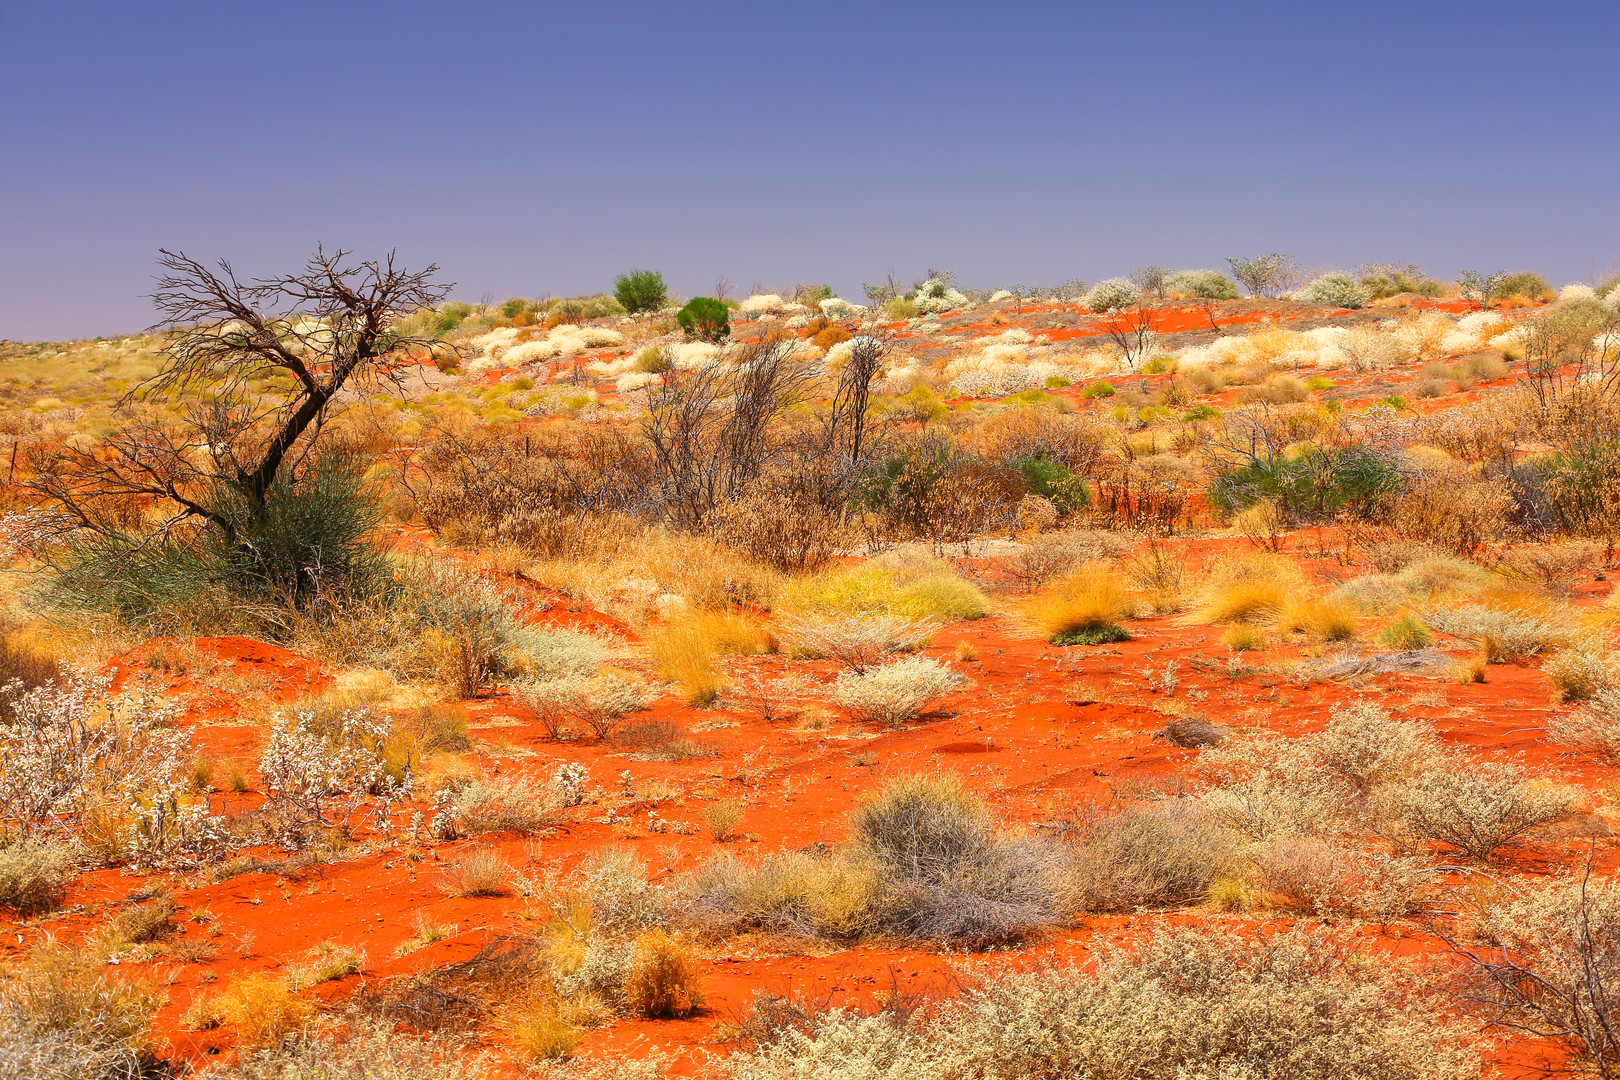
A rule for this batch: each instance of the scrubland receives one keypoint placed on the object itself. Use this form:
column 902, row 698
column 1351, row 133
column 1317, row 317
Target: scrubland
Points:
column 1134, row 681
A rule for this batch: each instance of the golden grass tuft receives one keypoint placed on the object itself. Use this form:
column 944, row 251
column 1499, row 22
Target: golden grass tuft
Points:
column 1248, row 588
column 1091, row 597
column 1244, row 638
column 1322, row 620
column 263, row 1010
column 662, row 982
column 684, row 655
column 893, row 584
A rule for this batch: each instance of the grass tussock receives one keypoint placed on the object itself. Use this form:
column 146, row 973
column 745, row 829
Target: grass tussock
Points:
column 65, row 1014
column 897, row 584
column 1083, row 607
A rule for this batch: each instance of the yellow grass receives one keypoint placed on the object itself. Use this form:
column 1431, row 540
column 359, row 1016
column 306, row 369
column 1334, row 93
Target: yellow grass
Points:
column 1091, row 596
column 684, row 655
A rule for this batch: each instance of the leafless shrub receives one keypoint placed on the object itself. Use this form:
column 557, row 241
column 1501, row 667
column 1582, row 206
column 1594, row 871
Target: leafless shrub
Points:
column 1311, row 876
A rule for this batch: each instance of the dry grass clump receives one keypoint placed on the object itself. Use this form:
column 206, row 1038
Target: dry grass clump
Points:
column 662, row 980
column 67, row 1016
column 362, row 1049
column 1507, row 628
column 1082, row 608
column 263, row 1010
column 478, row 873
column 1051, row 555
column 1150, row 855
column 34, row 874
column 683, row 655
column 1594, row 725
column 896, row 692
column 1302, row 1004
column 925, row 861
column 1250, row 588
column 1326, row 619
column 1581, row 672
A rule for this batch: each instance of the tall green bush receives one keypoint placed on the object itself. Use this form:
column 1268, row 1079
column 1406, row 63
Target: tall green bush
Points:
column 705, row 319
column 640, row 290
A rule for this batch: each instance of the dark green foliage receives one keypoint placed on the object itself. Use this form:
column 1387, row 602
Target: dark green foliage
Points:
column 705, row 319
column 1311, row 486
column 516, row 306
column 1050, row 480
column 1581, row 484
column 1102, row 634
column 309, row 546
column 640, row 290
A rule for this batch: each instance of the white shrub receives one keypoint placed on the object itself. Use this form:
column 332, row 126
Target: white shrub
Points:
column 761, row 304
column 835, row 307
column 895, row 692
column 1577, row 292
column 315, row 781
column 1340, row 290
column 934, row 297
column 1476, row 807
column 998, row 296
column 1111, row 295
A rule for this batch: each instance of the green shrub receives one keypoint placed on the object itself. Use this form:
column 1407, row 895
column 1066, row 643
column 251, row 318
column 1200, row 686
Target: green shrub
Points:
column 1200, row 412
column 705, row 319
column 1406, row 633
column 1380, row 280
column 1524, row 283
column 1205, row 284
column 309, row 548
column 1099, row 390
column 1106, row 634
column 1050, row 480
column 1339, row 290
column 1312, row 485
column 641, row 290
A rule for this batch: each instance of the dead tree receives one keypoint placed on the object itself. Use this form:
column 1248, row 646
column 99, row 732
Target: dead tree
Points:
column 258, row 364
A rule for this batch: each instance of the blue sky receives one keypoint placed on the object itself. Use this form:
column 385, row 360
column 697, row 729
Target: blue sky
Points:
column 537, row 149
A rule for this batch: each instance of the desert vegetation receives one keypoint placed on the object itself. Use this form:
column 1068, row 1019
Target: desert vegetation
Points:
column 1195, row 672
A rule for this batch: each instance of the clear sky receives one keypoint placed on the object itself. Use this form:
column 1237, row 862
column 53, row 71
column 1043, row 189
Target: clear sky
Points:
column 535, row 149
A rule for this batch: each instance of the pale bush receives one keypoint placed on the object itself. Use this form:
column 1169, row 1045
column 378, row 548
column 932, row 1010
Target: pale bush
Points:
column 34, row 873
column 623, row 900
column 1207, row 284
column 1505, row 632
column 896, row 692
column 1185, row 1005
column 1339, row 290
column 1150, row 855
column 318, row 780
column 1577, row 292
column 1594, row 725
column 1111, row 295
column 1477, row 807
column 935, row 297
column 1366, row 748
column 829, row 896
column 361, row 1050
column 856, row 641
column 1580, row 672
column 67, row 1016
column 67, row 747
column 761, row 304
column 1312, row 876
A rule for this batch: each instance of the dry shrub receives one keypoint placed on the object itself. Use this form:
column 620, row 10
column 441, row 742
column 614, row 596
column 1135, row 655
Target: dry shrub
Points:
column 1042, row 558
column 1453, row 511
column 1091, row 598
column 622, row 899
column 1158, row 575
column 663, row 979
column 23, row 662
column 827, row 896
column 896, row 692
column 1477, row 809
column 361, row 1049
column 479, row 873
column 1302, row 1004
column 263, row 1010
column 784, row 525
column 1548, row 964
column 1077, row 442
column 1310, row 876
column 599, row 704
column 858, row 642
column 507, row 802
column 944, row 872
column 34, row 874
column 1594, row 725
column 1579, row 673
column 1507, row 628
column 1149, row 855
column 66, row 1016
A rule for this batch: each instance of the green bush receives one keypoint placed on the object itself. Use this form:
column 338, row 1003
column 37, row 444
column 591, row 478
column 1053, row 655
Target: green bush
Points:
column 640, row 290
column 1099, row 390
column 1050, row 480
column 1524, row 283
column 1105, row 634
column 1381, row 280
column 1340, row 290
column 1205, row 284
column 705, row 319
column 308, row 547
column 1312, row 485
